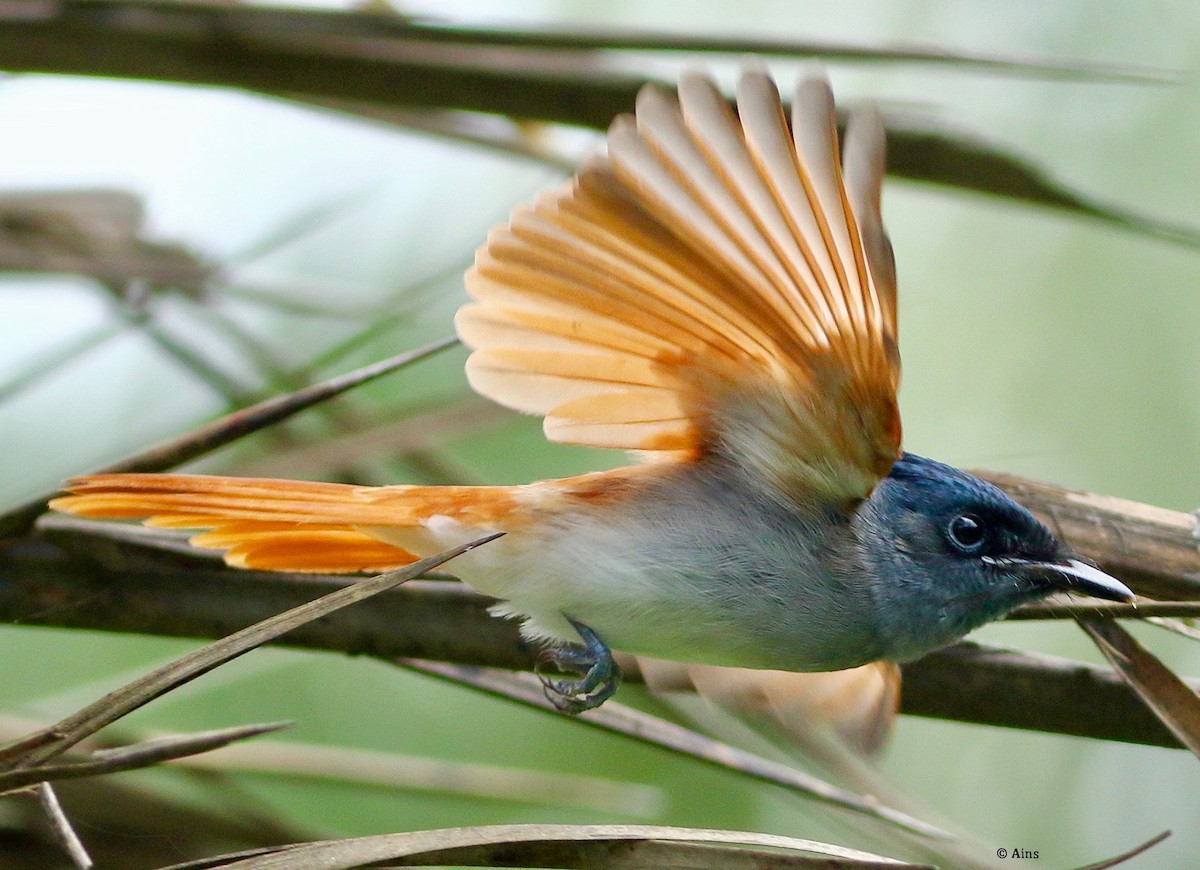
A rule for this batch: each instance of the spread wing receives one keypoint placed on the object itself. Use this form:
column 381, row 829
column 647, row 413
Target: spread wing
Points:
column 718, row 283
column 857, row 705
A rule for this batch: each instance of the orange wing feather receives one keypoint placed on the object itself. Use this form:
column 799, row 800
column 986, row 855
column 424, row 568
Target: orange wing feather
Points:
column 859, row 705
column 711, row 284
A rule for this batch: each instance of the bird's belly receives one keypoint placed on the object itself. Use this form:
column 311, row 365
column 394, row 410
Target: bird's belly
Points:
column 696, row 564
column 716, row 593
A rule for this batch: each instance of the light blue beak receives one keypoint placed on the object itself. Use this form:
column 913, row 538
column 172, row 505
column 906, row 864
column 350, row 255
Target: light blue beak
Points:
column 1076, row 576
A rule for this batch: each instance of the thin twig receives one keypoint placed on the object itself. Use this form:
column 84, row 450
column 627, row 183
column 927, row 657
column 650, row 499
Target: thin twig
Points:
column 616, row 717
column 144, row 754
column 1126, row 856
column 1146, row 610
column 61, row 825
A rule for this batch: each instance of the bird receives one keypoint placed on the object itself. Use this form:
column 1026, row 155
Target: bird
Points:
column 716, row 294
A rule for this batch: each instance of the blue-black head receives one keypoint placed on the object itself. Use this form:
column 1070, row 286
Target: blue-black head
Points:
column 948, row 552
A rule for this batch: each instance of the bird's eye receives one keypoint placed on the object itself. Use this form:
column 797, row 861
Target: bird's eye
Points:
column 966, row 532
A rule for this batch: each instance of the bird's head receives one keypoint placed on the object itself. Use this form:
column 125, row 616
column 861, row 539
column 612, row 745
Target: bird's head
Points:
column 948, row 552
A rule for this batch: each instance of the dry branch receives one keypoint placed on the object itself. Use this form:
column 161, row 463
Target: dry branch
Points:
column 145, row 754
column 615, row 847
column 1154, row 550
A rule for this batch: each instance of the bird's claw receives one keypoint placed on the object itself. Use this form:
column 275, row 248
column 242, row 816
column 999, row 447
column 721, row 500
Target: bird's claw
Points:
column 593, row 661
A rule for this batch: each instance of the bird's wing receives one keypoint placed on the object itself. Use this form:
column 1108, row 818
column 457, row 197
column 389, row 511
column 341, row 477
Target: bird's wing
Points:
column 857, row 706
column 717, row 282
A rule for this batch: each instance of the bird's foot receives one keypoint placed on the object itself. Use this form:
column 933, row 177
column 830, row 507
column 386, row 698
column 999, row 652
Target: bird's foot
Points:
column 599, row 675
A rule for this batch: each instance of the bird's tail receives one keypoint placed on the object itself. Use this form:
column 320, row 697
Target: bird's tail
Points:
column 291, row 525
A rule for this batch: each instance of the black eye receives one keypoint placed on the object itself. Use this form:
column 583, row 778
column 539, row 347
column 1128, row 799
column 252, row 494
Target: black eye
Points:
column 966, row 532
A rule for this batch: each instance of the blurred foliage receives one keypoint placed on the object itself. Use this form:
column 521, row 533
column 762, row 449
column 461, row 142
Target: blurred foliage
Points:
column 299, row 242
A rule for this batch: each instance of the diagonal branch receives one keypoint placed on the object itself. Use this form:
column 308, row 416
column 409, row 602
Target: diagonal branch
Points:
column 208, row 437
column 61, row 826
column 39, row 747
column 144, row 754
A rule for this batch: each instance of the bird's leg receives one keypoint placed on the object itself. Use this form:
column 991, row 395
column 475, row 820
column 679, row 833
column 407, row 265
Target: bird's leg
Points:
column 599, row 675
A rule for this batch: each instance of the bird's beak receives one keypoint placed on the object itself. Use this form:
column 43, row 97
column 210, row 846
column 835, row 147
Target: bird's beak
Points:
column 1076, row 576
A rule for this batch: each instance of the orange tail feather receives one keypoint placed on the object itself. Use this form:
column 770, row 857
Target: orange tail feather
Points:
column 285, row 525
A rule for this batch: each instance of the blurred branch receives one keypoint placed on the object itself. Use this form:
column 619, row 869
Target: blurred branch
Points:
column 224, row 430
column 368, row 23
column 415, row 431
column 363, row 57
column 392, row 770
column 44, row 364
column 189, row 354
column 342, row 55
column 986, row 685
column 129, row 823
column 127, row 578
column 96, row 233
column 495, row 133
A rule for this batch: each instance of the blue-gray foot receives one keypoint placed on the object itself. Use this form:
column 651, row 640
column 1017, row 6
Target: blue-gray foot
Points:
column 599, row 675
